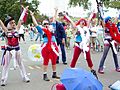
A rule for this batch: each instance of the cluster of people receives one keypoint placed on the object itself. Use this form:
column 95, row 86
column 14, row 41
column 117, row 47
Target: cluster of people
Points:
column 54, row 34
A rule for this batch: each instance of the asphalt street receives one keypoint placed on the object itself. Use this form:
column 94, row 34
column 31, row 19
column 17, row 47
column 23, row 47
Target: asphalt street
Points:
column 34, row 70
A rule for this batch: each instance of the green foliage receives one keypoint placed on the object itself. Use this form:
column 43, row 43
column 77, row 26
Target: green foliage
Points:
column 5, row 7
column 83, row 3
column 86, row 4
column 112, row 4
column 13, row 8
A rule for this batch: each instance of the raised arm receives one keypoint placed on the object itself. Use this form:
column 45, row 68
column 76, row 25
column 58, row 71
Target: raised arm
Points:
column 55, row 15
column 22, row 17
column 68, row 19
column 33, row 19
column 92, row 16
column 40, row 30
column 3, row 26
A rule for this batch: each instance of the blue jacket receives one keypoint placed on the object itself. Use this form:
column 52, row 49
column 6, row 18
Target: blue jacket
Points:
column 59, row 32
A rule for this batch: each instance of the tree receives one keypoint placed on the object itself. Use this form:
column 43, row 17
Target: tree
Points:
column 85, row 3
column 112, row 3
column 12, row 8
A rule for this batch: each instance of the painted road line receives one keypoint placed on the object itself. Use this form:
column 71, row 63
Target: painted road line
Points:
column 30, row 67
column 38, row 67
column 24, row 60
column 12, row 69
column 50, row 81
column 57, row 79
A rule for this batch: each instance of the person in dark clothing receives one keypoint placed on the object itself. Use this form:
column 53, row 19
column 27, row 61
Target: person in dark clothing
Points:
column 60, row 36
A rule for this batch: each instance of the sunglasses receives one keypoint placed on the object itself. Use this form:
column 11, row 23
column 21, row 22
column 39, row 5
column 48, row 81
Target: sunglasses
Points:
column 109, row 20
column 46, row 23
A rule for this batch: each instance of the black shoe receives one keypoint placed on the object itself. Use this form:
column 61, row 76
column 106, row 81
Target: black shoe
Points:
column 64, row 63
column 45, row 77
column 94, row 73
column 55, row 75
column 57, row 62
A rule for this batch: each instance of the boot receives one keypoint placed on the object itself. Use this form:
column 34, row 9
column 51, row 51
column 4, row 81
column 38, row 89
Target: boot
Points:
column 3, row 82
column 45, row 77
column 94, row 73
column 55, row 76
column 26, row 79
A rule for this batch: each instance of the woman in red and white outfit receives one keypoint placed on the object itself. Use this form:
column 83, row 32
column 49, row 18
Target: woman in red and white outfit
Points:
column 82, row 39
column 12, row 43
column 49, row 47
column 111, row 37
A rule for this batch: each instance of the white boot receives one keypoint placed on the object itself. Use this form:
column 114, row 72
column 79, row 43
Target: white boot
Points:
column 3, row 82
column 26, row 79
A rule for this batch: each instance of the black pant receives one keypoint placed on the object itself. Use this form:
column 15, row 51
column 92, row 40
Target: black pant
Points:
column 62, row 47
column 21, row 35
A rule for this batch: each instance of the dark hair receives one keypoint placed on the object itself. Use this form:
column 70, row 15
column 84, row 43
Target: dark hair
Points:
column 8, row 19
column 60, row 14
column 63, row 24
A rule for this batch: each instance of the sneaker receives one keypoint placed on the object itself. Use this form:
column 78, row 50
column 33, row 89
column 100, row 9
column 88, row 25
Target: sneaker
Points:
column 101, row 71
column 26, row 79
column 3, row 82
column 65, row 63
column 45, row 77
column 117, row 69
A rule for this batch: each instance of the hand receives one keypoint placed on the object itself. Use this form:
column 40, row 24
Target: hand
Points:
column 31, row 13
column 63, row 41
column 56, row 8
column 25, row 7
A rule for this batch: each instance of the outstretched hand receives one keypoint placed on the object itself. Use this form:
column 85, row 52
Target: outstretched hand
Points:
column 56, row 8
column 25, row 7
column 31, row 13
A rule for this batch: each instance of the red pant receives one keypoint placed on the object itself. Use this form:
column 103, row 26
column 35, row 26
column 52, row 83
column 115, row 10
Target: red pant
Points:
column 76, row 54
column 49, row 54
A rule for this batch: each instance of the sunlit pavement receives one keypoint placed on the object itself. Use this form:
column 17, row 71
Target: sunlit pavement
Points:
column 34, row 70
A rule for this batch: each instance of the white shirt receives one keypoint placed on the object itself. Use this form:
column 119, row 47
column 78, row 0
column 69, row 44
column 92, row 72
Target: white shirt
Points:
column 21, row 30
column 94, row 31
column 84, row 33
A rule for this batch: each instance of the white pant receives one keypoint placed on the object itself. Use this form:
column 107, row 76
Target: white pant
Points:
column 18, row 59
